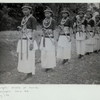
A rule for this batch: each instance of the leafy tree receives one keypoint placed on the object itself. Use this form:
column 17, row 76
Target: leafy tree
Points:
column 11, row 13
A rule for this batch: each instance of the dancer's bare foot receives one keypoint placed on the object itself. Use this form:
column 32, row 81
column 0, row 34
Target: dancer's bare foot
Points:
column 29, row 75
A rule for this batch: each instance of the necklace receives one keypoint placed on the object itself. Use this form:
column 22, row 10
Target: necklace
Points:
column 47, row 22
column 89, row 20
column 80, row 21
column 25, row 19
column 63, row 21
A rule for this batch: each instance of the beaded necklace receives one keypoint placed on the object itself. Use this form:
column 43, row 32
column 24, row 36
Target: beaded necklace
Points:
column 80, row 21
column 25, row 19
column 63, row 21
column 47, row 22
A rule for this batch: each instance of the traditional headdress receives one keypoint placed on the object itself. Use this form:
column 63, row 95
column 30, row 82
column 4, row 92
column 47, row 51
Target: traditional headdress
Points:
column 27, row 6
column 48, row 10
column 65, row 11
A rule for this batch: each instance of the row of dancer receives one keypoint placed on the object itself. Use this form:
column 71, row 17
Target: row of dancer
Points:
column 87, row 35
column 55, row 40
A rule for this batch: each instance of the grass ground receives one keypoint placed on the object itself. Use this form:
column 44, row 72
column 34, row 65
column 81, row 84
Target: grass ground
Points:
column 76, row 71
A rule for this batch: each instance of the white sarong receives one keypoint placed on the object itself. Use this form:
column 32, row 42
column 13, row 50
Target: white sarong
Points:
column 96, row 42
column 48, row 55
column 90, row 43
column 64, row 48
column 80, row 43
column 27, row 63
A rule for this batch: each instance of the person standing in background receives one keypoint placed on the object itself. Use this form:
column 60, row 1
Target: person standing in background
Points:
column 95, row 13
column 64, row 41
column 97, row 34
column 47, row 46
column 80, row 25
column 90, row 42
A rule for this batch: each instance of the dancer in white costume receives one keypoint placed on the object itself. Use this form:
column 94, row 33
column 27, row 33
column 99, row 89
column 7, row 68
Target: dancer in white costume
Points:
column 95, row 13
column 97, row 33
column 64, row 41
column 80, row 25
column 90, row 41
column 26, row 44
column 48, row 54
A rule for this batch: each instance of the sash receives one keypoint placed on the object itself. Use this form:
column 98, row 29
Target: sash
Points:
column 63, row 21
column 25, row 19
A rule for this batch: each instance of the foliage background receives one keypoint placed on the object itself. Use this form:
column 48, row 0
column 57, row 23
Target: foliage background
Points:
column 11, row 14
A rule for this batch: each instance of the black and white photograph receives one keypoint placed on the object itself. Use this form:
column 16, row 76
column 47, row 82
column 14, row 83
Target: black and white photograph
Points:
column 50, row 43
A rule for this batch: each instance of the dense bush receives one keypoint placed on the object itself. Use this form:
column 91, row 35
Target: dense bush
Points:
column 11, row 14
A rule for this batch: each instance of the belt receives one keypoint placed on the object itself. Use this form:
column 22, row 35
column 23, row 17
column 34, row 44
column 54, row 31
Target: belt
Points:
column 81, row 31
column 66, row 26
column 48, row 36
column 26, row 38
column 66, row 34
column 29, row 29
column 91, row 31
